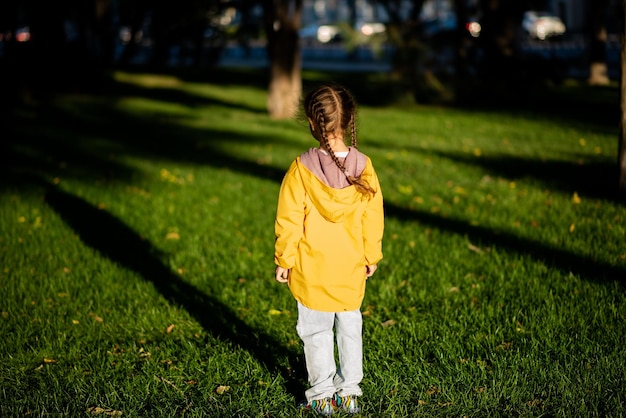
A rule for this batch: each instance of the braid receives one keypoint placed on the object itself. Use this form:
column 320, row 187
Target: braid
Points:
column 325, row 144
column 353, row 129
column 333, row 109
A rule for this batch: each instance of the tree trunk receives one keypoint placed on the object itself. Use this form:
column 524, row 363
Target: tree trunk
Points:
column 461, row 47
column 622, row 138
column 403, row 30
column 499, row 36
column 47, row 70
column 597, row 44
column 283, row 19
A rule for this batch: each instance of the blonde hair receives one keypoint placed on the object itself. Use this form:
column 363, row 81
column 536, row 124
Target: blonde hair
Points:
column 332, row 109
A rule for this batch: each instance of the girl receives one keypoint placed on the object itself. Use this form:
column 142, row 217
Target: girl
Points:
column 329, row 228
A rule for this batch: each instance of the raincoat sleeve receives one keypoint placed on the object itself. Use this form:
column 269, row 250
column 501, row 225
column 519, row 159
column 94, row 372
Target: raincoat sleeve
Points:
column 373, row 219
column 289, row 224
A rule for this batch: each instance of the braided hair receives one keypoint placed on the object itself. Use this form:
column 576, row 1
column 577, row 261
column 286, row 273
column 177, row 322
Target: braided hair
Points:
column 331, row 109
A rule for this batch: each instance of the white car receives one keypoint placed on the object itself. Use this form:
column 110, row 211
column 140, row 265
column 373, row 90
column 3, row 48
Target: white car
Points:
column 542, row 25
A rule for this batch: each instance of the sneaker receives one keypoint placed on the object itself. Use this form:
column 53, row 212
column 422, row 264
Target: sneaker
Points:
column 350, row 403
column 323, row 406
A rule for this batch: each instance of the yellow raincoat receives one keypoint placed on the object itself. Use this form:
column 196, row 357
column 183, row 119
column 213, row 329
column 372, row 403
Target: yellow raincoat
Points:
column 327, row 237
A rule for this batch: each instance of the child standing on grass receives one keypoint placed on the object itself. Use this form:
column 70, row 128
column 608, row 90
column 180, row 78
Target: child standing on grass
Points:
column 329, row 229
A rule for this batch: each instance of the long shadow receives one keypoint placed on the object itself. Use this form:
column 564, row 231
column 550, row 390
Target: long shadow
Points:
column 595, row 179
column 174, row 95
column 57, row 143
column 115, row 240
column 250, row 77
column 565, row 261
column 595, row 107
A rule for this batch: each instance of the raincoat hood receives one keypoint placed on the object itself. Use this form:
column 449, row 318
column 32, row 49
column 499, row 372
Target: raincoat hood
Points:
column 327, row 186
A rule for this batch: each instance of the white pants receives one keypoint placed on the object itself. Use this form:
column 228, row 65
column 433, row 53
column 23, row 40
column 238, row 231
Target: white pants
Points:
column 315, row 328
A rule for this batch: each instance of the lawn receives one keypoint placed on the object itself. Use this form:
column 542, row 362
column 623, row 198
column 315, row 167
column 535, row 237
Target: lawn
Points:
column 136, row 250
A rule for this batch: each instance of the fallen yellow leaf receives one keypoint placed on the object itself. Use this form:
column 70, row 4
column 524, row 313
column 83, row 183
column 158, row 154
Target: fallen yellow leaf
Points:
column 170, row 328
column 96, row 317
column 172, row 235
column 504, row 346
column 221, row 389
column 576, row 199
column 474, row 248
column 434, row 390
column 96, row 410
column 388, row 323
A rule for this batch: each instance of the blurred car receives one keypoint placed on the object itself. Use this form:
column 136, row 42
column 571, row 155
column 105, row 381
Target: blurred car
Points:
column 372, row 28
column 321, row 33
column 542, row 25
column 22, row 34
column 473, row 27
column 340, row 32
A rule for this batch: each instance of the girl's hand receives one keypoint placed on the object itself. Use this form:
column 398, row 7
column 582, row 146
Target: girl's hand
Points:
column 370, row 270
column 282, row 274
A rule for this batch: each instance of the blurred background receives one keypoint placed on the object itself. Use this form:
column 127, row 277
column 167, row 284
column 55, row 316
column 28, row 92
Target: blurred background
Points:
column 437, row 50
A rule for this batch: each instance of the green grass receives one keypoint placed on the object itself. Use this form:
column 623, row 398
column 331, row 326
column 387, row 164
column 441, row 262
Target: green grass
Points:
column 136, row 274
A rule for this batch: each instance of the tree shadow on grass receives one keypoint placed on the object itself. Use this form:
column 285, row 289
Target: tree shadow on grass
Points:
column 93, row 144
column 175, row 95
column 583, row 106
column 594, row 179
column 590, row 177
column 115, row 240
column 567, row 262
